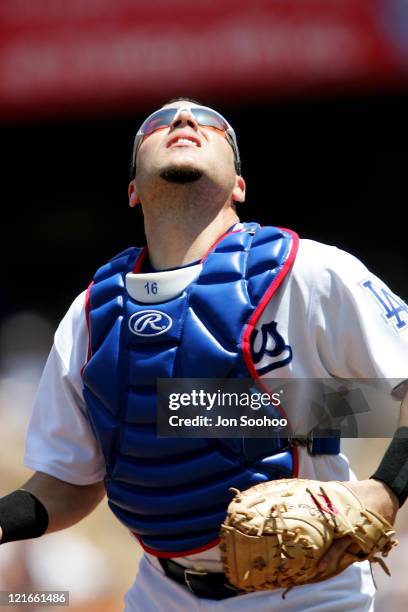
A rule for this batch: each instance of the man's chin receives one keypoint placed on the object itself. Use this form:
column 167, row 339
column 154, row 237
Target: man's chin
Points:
column 181, row 176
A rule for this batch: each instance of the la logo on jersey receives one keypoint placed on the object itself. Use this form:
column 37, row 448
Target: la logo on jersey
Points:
column 394, row 310
column 269, row 343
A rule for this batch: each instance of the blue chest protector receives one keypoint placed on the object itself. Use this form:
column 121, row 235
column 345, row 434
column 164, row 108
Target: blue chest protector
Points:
column 172, row 493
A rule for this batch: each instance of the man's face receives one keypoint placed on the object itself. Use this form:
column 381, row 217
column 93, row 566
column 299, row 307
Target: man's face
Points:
column 185, row 151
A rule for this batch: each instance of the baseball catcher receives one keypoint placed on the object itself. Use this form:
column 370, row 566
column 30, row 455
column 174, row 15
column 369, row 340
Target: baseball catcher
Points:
column 212, row 297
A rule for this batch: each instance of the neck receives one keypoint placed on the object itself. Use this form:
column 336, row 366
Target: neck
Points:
column 175, row 238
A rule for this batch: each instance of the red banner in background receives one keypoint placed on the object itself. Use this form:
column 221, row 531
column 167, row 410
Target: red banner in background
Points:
column 83, row 55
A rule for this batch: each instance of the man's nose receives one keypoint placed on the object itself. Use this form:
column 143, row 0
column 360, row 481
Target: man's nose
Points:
column 184, row 118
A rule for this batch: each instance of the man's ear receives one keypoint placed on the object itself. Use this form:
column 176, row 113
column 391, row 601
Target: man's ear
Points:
column 132, row 193
column 238, row 193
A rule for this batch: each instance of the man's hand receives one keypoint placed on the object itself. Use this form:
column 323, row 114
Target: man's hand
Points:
column 376, row 496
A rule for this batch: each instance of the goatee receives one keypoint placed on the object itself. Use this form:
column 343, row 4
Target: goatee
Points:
column 181, row 176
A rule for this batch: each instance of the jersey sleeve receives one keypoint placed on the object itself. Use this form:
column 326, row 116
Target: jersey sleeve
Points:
column 59, row 440
column 360, row 326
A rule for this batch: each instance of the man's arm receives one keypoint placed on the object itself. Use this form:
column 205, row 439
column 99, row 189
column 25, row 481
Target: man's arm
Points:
column 65, row 504
column 403, row 418
column 375, row 494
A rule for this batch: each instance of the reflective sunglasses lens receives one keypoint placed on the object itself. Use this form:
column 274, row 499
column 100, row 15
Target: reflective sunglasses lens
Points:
column 205, row 116
column 158, row 120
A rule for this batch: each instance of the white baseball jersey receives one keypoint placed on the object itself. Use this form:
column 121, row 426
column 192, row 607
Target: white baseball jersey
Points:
column 338, row 319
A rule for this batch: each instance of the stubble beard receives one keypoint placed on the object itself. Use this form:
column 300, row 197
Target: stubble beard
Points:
column 181, row 176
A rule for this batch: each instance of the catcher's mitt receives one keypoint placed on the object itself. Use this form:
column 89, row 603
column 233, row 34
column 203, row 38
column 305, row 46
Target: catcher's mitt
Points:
column 276, row 532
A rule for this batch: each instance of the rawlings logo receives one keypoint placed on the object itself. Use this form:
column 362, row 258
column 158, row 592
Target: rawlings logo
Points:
column 272, row 346
column 149, row 323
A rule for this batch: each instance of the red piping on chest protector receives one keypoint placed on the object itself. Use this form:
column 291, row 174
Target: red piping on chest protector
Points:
column 250, row 326
column 87, row 308
column 169, row 555
column 139, row 261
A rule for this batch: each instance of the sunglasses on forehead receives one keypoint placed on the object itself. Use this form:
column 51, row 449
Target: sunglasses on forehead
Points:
column 204, row 116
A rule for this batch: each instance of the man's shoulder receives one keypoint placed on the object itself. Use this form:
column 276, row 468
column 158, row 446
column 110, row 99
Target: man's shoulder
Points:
column 317, row 257
column 315, row 251
column 76, row 312
column 324, row 266
column 77, row 307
